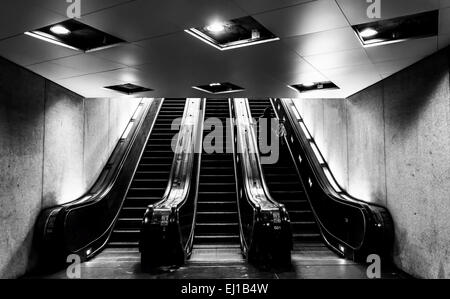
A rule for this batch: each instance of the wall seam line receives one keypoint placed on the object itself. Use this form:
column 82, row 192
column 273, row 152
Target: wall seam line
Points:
column 346, row 139
column 43, row 144
column 85, row 186
column 385, row 144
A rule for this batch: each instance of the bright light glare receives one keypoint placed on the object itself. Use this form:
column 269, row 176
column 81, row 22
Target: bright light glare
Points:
column 214, row 84
column 216, row 27
column 369, row 32
column 308, row 84
column 60, row 30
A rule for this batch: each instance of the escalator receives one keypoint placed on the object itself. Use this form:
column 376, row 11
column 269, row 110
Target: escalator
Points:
column 217, row 222
column 286, row 188
column 151, row 178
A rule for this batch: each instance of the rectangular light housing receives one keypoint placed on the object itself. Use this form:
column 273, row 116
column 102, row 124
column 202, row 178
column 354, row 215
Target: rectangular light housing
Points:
column 232, row 34
column 398, row 29
column 76, row 36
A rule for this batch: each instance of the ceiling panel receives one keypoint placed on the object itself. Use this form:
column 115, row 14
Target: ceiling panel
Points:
column 87, row 64
column 305, row 18
column 132, row 21
column 53, row 71
column 388, row 68
column 187, row 13
column 258, row 6
column 324, row 42
column 89, row 6
column 412, row 48
column 19, row 16
column 91, row 86
column 444, row 21
column 128, row 54
column 25, row 50
column 356, row 10
column 353, row 79
column 294, row 78
column 339, row 59
column 317, row 45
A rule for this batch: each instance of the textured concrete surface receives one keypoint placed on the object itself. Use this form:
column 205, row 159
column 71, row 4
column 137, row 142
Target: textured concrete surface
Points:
column 96, row 138
column 335, row 139
column 398, row 141
column 366, row 156
column 21, row 156
column 121, row 110
column 53, row 144
column 417, row 113
column 326, row 120
column 63, row 146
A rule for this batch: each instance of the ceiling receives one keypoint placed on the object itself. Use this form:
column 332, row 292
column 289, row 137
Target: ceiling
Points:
column 317, row 44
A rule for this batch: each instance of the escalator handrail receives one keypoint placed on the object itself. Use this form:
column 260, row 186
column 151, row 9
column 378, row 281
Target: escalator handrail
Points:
column 370, row 212
column 269, row 217
column 256, row 188
column 51, row 224
column 183, row 177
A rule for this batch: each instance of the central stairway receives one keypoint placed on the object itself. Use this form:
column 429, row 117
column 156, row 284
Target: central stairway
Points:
column 151, row 178
column 217, row 222
column 286, row 188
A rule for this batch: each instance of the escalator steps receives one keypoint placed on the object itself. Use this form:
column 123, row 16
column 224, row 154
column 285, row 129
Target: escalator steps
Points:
column 285, row 187
column 217, row 216
column 151, row 178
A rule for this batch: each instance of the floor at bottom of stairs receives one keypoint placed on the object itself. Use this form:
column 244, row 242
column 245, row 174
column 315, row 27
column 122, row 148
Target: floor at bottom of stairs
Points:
column 307, row 263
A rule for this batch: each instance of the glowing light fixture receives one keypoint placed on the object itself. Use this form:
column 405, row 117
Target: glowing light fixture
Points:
column 369, row 32
column 60, row 30
column 216, row 27
column 233, row 34
column 309, row 84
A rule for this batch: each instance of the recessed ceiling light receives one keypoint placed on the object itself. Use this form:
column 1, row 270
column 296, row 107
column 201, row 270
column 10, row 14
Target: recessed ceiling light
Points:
column 305, row 87
column 369, row 32
column 75, row 35
column 60, row 30
column 398, row 29
column 308, row 84
column 128, row 88
column 234, row 34
column 219, row 88
column 216, row 27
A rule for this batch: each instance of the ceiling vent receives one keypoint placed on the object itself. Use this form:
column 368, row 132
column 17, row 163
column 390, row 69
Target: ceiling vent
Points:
column 128, row 88
column 314, row 86
column 219, row 88
column 398, row 29
column 233, row 34
column 76, row 36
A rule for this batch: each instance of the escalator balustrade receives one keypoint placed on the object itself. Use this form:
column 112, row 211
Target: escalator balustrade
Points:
column 151, row 178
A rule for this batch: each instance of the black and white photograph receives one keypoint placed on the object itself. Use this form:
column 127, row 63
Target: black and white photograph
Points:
column 224, row 148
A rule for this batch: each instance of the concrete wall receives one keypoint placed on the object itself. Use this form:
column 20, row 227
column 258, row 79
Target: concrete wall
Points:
column 53, row 145
column 389, row 144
